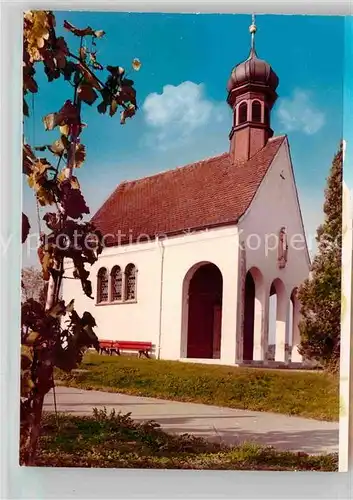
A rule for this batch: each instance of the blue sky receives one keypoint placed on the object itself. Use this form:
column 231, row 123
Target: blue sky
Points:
column 181, row 87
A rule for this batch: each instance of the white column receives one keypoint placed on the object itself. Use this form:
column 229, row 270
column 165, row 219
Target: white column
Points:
column 281, row 318
column 229, row 322
column 265, row 323
column 296, row 357
column 229, row 319
column 260, row 322
column 241, row 277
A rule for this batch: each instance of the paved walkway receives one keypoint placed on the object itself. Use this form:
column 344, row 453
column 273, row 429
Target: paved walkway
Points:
column 223, row 424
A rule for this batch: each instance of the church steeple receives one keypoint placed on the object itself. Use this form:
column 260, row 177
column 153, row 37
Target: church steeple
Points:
column 251, row 94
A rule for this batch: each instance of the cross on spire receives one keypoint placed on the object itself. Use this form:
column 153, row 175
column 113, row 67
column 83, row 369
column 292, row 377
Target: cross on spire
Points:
column 252, row 30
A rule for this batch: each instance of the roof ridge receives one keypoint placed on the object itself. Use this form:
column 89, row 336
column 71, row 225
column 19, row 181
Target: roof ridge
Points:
column 163, row 172
column 273, row 138
column 198, row 162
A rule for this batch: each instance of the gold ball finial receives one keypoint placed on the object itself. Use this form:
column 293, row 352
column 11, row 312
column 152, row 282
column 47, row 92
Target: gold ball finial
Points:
column 252, row 29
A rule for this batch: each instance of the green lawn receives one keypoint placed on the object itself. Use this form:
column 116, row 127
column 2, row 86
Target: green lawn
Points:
column 116, row 441
column 308, row 394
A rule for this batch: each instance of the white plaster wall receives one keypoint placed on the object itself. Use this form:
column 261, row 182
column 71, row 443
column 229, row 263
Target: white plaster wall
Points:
column 124, row 321
column 220, row 247
column 276, row 205
column 157, row 319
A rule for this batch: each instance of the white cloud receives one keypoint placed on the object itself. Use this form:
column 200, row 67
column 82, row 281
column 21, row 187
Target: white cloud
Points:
column 176, row 113
column 299, row 113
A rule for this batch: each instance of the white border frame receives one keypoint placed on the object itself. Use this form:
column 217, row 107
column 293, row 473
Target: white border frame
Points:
column 42, row 483
column 346, row 356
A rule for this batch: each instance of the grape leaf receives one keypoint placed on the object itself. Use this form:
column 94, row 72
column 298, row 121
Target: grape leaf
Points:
column 25, row 227
column 59, row 146
column 72, row 201
column 127, row 113
column 28, row 159
column 99, row 33
column 136, row 64
column 68, row 115
column 113, row 107
column 77, row 31
column 87, row 93
column 25, row 108
column 74, row 183
column 88, row 76
column 31, row 338
column 80, row 155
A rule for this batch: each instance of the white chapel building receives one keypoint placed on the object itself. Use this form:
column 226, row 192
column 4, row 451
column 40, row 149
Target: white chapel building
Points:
column 192, row 255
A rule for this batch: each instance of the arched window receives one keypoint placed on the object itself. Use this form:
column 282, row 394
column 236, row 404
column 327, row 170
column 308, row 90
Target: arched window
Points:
column 243, row 113
column 256, row 111
column 102, row 285
column 116, row 277
column 130, row 282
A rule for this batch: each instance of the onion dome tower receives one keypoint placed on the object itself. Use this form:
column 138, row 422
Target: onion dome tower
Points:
column 251, row 95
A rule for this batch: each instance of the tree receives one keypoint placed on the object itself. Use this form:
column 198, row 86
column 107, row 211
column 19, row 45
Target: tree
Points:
column 320, row 295
column 33, row 285
column 47, row 341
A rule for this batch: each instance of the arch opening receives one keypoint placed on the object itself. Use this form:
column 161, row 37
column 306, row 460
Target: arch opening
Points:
column 243, row 113
column 256, row 112
column 204, row 291
column 277, row 322
column 253, row 315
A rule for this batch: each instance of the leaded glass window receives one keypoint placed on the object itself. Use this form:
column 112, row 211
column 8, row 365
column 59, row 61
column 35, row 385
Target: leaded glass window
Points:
column 116, row 284
column 130, row 282
column 102, row 285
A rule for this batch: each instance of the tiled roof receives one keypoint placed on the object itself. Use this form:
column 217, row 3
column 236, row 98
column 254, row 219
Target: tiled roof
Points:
column 208, row 193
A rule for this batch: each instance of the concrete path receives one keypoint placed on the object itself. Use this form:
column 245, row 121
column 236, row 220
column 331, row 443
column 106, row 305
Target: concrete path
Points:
column 211, row 422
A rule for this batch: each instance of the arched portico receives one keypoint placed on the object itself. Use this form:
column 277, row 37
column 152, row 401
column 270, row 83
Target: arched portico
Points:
column 202, row 312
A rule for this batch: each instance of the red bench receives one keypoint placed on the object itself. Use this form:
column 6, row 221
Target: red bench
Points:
column 106, row 346
column 116, row 346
